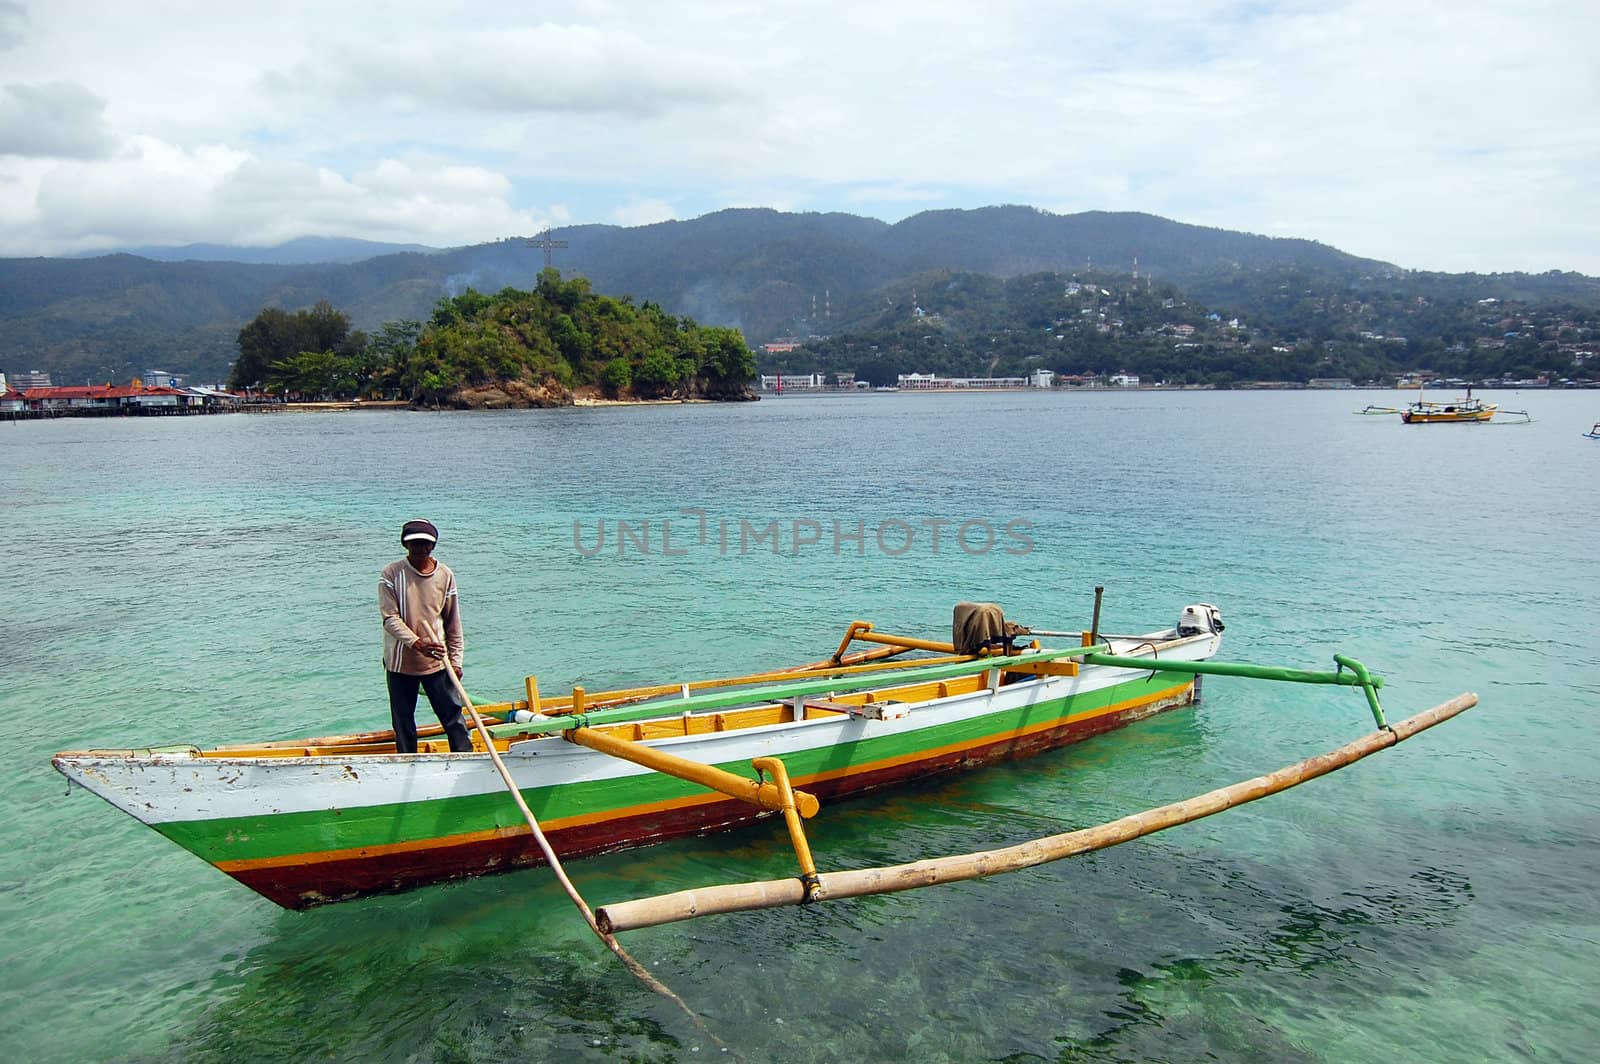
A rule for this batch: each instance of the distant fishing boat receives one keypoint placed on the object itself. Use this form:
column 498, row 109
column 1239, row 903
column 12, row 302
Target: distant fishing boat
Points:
column 1466, row 411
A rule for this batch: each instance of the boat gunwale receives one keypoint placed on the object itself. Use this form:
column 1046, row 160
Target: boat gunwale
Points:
column 159, row 756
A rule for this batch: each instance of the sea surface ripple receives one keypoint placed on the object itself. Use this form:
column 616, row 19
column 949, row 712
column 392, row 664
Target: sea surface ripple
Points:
column 209, row 580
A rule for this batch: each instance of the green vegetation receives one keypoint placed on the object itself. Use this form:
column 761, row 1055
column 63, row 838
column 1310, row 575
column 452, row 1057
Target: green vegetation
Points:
column 310, row 351
column 1233, row 325
column 775, row 274
column 558, row 337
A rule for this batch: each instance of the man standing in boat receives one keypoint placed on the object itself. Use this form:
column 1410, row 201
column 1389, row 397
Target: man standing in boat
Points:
column 417, row 598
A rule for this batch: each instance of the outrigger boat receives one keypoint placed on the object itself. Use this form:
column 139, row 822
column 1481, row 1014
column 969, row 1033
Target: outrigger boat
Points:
column 306, row 822
column 1467, row 411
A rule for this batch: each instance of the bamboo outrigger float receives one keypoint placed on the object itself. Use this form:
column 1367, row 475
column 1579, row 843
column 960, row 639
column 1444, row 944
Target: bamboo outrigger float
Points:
column 311, row 821
column 743, row 897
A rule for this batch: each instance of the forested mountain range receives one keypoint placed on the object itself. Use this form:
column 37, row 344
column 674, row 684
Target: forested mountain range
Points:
column 1283, row 323
column 769, row 273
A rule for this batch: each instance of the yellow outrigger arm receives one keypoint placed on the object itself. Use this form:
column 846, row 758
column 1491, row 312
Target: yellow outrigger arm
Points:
column 777, row 795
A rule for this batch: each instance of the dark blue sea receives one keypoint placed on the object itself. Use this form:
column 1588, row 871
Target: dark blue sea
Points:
column 206, row 580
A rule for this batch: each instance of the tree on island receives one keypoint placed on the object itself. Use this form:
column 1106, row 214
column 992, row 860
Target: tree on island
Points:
column 514, row 348
column 277, row 336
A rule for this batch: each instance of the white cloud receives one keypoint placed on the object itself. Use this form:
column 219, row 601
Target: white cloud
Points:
column 55, row 120
column 13, row 23
column 894, row 193
column 643, row 212
column 157, row 193
column 1432, row 137
column 529, row 70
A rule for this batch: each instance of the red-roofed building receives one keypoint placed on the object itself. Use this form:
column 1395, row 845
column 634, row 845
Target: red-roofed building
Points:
column 100, row 399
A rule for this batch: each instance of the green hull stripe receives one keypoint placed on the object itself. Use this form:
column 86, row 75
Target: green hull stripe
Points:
column 319, row 831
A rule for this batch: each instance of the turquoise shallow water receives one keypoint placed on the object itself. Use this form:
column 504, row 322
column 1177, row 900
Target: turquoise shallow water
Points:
column 208, row 580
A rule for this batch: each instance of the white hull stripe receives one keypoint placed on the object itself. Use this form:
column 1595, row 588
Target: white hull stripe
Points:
column 165, row 788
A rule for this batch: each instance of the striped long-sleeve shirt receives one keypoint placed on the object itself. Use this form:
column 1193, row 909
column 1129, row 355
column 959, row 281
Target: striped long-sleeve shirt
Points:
column 415, row 607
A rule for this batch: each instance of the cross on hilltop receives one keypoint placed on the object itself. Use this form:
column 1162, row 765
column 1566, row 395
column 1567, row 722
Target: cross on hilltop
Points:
column 543, row 241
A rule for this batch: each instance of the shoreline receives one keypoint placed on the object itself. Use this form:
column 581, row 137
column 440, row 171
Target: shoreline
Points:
column 584, row 400
column 1500, row 386
column 592, row 402
column 324, row 407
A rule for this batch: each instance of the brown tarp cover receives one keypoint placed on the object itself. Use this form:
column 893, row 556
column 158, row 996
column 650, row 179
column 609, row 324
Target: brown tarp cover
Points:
column 975, row 624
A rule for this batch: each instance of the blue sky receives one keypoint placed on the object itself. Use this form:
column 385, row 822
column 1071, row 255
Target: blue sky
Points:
column 1452, row 137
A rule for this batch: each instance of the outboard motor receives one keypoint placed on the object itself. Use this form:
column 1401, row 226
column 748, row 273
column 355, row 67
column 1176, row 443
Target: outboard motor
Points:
column 1199, row 619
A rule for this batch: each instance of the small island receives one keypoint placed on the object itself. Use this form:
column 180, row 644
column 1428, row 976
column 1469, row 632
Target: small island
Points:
column 556, row 345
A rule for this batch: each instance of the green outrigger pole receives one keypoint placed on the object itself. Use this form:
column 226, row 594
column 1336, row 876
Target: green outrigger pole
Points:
column 1357, row 676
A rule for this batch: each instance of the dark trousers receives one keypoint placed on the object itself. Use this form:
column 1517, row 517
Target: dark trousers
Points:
column 447, row 706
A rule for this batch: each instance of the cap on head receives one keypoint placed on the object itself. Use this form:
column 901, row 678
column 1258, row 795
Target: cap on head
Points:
column 419, row 530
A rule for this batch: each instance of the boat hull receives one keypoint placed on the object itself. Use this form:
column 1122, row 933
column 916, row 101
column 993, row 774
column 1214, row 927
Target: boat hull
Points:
column 1447, row 419
column 1467, row 412
column 302, row 885
column 306, row 831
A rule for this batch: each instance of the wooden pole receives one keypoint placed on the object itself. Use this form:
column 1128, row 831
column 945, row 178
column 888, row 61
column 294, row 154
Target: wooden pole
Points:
column 741, row 897
column 905, row 642
column 639, row 971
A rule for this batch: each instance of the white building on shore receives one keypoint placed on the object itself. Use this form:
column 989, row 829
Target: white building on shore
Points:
column 932, row 382
column 910, row 382
column 793, row 382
